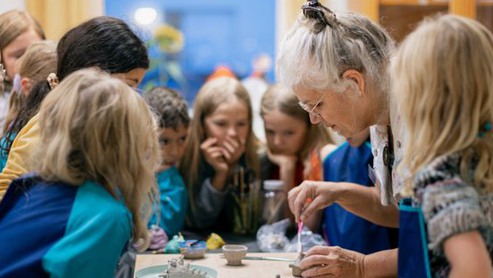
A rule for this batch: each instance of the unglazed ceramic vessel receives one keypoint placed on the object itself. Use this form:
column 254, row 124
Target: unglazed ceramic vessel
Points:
column 296, row 265
column 234, row 253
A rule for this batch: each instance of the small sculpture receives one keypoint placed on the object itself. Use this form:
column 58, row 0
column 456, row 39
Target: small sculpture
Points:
column 296, row 265
column 177, row 268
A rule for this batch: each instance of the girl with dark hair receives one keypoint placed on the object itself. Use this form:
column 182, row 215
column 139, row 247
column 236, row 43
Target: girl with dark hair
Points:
column 103, row 42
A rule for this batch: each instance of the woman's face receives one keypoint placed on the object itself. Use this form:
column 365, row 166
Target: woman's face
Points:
column 228, row 120
column 345, row 113
column 285, row 135
column 16, row 49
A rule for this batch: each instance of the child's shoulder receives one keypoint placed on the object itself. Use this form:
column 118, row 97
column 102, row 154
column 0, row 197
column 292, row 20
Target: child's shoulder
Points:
column 97, row 203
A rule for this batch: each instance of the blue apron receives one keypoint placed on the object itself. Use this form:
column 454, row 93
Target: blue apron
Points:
column 341, row 227
column 413, row 250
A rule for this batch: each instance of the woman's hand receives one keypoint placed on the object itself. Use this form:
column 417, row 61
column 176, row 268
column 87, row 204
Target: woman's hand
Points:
column 321, row 194
column 332, row 261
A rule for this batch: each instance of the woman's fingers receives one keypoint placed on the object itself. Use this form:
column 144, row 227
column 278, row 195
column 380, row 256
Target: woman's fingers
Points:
column 296, row 199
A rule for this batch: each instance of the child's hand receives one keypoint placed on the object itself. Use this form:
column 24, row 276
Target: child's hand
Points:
column 283, row 161
column 159, row 239
column 233, row 148
column 214, row 155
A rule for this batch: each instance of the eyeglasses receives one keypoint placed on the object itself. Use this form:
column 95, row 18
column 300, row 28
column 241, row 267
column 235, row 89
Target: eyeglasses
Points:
column 311, row 111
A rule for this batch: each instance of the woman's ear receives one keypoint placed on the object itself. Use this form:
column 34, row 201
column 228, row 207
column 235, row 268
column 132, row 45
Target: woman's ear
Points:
column 358, row 78
column 26, row 85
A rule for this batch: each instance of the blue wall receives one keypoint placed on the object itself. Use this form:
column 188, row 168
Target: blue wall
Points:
column 216, row 32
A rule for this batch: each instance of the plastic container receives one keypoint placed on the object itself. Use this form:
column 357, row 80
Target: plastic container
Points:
column 274, row 201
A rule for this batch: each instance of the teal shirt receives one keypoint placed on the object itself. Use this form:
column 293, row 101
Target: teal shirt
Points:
column 97, row 231
column 4, row 156
column 173, row 201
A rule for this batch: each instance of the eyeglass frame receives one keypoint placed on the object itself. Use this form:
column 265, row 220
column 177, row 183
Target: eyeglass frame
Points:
column 305, row 107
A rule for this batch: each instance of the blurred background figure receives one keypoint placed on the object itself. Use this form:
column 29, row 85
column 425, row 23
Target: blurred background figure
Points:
column 256, row 84
column 18, row 29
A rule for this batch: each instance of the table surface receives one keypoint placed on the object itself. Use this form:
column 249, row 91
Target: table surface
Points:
column 249, row 268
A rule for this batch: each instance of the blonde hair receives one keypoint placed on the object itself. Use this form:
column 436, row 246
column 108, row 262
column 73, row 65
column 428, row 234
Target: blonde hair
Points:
column 95, row 127
column 13, row 23
column 315, row 54
column 213, row 93
column 279, row 97
column 442, row 78
column 39, row 60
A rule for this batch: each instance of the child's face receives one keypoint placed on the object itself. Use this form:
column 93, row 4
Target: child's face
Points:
column 16, row 48
column 228, row 120
column 285, row 134
column 173, row 144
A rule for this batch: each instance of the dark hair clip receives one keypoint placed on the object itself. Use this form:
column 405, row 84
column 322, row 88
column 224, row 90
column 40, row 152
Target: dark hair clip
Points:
column 314, row 10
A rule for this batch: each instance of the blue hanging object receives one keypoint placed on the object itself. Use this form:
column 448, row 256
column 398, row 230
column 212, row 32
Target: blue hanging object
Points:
column 413, row 251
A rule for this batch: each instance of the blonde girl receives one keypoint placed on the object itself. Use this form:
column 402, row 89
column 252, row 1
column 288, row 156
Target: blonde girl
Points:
column 221, row 144
column 294, row 144
column 38, row 61
column 92, row 186
column 442, row 80
column 18, row 29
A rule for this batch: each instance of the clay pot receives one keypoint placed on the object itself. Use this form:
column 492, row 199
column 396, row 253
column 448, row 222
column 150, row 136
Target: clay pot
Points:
column 296, row 265
column 234, row 253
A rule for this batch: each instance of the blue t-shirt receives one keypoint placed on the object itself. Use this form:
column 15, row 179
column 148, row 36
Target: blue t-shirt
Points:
column 342, row 228
column 173, row 201
column 60, row 230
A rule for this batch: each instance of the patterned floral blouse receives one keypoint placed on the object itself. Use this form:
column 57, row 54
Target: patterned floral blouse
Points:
column 451, row 206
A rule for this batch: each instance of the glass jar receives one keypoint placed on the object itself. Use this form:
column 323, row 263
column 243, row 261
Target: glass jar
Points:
column 274, row 201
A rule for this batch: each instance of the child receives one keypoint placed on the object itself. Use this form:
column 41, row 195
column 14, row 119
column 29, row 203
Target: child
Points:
column 98, row 36
column 221, row 153
column 293, row 143
column 446, row 99
column 172, row 112
column 92, row 185
column 349, row 162
column 35, row 65
column 18, row 29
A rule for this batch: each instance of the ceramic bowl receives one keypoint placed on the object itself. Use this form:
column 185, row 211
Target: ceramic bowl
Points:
column 234, row 253
column 191, row 249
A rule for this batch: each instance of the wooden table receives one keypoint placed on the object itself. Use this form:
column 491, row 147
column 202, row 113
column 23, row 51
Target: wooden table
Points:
column 249, row 269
